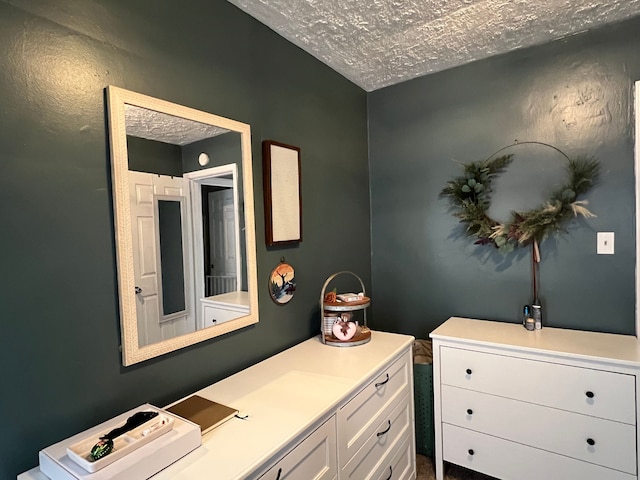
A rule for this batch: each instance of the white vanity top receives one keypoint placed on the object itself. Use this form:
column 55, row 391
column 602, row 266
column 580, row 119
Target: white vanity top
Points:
column 614, row 348
column 283, row 396
column 230, row 298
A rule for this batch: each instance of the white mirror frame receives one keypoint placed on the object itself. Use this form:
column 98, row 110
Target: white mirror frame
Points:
column 637, row 175
column 132, row 353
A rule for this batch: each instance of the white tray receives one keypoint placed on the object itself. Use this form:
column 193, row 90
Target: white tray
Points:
column 140, row 464
column 122, row 445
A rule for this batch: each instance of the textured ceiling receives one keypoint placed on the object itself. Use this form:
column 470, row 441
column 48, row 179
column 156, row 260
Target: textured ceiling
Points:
column 161, row 127
column 376, row 43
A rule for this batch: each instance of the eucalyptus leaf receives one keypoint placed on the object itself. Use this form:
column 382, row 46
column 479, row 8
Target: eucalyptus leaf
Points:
column 568, row 194
column 506, row 248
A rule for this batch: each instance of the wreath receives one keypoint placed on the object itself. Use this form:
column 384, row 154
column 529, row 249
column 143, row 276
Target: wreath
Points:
column 470, row 195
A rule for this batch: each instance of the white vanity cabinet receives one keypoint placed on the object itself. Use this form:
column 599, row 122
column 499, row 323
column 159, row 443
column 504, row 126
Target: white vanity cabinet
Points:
column 521, row 405
column 376, row 423
column 315, row 457
column 372, row 437
column 313, row 412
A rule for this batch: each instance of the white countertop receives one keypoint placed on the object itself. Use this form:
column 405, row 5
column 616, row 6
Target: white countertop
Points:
column 617, row 349
column 282, row 396
column 233, row 299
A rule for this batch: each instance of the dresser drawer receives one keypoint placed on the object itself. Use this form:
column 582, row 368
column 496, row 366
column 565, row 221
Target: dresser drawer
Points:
column 392, row 429
column 614, row 443
column 592, row 392
column 312, row 459
column 512, row 461
column 217, row 315
column 359, row 418
column 400, row 465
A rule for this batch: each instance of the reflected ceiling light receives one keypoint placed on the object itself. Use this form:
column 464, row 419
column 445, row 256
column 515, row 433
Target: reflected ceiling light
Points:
column 203, row 159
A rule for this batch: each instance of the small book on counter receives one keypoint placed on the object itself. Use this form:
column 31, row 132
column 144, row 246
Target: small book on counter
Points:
column 202, row 411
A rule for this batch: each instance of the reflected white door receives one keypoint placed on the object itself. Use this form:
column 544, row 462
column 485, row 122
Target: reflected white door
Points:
column 222, row 235
column 143, row 189
column 230, row 263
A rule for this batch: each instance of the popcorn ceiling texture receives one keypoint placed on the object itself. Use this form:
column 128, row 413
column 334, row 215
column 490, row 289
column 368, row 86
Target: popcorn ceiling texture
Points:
column 376, row 43
column 153, row 125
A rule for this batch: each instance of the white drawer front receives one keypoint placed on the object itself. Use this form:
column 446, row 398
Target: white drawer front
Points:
column 358, row 419
column 216, row 315
column 312, row 459
column 391, row 430
column 592, row 392
column 400, row 465
column 614, row 443
column 512, row 461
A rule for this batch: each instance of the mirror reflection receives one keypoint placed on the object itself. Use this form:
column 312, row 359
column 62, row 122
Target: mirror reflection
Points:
column 185, row 234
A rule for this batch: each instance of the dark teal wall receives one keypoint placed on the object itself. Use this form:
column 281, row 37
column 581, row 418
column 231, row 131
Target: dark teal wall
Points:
column 576, row 94
column 222, row 150
column 154, row 157
column 61, row 368
column 59, row 342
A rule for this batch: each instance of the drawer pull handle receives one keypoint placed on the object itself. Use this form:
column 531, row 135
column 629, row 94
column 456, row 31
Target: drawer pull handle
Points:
column 471, row 452
column 469, row 411
column 591, row 441
column 379, row 384
column 590, row 394
column 390, row 472
column 469, row 371
column 379, row 434
column 279, row 473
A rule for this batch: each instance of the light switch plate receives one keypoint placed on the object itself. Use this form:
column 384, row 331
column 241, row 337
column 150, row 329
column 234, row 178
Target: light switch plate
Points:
column 606, row 242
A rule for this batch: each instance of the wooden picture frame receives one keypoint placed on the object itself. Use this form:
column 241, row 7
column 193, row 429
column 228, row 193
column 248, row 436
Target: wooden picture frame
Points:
column 282, row 196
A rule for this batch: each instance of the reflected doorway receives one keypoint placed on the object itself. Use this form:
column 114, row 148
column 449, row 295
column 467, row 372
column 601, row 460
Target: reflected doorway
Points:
column 219, row 229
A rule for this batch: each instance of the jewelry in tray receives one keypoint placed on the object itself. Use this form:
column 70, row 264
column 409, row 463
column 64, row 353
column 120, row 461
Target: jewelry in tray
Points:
column 105, row 444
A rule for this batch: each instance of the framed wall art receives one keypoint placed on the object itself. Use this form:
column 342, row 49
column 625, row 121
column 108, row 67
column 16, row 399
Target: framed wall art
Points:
column 282, row 196
column 282, row 283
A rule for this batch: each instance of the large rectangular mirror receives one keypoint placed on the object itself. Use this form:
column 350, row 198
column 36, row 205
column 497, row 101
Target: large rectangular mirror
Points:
column 185, row 231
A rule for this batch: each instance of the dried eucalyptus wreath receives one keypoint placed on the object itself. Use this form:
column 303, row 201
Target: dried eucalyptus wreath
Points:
column 470, row 195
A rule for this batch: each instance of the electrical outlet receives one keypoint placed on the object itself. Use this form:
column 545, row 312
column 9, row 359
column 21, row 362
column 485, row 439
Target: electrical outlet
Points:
column 606, row 242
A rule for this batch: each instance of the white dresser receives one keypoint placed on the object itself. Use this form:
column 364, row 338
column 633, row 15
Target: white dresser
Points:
column 546, row 404
column 224, row 307
column 314, row 412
